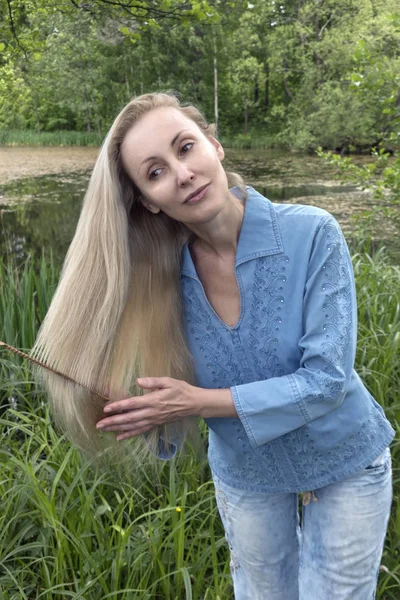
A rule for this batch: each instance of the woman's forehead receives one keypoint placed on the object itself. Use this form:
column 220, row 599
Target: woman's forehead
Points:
column 152, row 136
column 156, row 129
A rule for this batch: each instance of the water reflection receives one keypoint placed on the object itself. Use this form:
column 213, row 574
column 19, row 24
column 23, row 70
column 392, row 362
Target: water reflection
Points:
column 285, row 193
column 40, row 214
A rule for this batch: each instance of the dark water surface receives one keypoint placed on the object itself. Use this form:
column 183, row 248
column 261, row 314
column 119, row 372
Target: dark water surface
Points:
column 40, row 213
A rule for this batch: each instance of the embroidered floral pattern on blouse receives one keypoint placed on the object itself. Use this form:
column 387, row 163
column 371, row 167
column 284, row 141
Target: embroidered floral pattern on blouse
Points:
column 266, row 306
column 217, row 354
column 256, row 469
column 308, row 456
column 335, row 286
column 307, row 459
column 313, row 467
column 224, row 372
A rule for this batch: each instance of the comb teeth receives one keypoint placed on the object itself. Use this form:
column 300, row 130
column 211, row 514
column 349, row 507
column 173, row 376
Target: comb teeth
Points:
column 41, row 364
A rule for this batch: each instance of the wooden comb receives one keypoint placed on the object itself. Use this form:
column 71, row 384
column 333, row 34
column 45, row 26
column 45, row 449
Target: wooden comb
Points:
column 41, row 364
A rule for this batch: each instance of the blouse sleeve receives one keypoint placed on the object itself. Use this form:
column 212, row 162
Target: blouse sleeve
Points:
column 271, row 408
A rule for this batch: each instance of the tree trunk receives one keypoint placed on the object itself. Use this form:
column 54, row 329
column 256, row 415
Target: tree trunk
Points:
column 288, row 91
column 89, row 125
column 215, row 91
column 141, row 73
column 266, row 96
column 256, row 92
column 37, row 118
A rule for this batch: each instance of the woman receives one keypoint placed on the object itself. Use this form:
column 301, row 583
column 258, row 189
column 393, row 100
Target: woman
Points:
column 241, row 312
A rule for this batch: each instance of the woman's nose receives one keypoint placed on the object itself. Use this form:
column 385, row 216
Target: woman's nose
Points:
column 184, row 174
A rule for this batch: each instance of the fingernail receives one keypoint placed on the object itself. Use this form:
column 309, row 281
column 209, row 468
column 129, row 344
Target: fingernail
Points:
column 107, row 409
column 100, row 426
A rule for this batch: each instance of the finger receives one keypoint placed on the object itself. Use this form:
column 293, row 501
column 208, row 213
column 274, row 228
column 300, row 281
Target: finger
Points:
column 123, row 419
column 132, row 433
column 149, row 383
column 121, row 406
column 128, row 426
column 133, row 403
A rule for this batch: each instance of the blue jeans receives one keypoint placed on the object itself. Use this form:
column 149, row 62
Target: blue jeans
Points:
column 336, row 553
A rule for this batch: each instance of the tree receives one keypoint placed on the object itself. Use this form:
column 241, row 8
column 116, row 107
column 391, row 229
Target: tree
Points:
column 286, row 69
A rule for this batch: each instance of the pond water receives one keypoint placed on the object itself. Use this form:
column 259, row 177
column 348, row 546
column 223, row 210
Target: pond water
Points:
column 39, row 213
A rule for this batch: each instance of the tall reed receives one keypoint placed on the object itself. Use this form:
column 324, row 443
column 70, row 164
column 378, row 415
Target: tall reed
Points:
column 29, row 137
column 69, row 531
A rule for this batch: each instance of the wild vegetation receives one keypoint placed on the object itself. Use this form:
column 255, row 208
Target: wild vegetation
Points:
column 295, row 73
column 69, row 531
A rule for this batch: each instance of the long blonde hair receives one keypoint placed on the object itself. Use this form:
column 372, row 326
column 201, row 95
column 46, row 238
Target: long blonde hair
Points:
column 117, row 312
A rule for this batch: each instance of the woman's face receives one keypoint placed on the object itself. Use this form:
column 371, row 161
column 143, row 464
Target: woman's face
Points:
column 176, row 166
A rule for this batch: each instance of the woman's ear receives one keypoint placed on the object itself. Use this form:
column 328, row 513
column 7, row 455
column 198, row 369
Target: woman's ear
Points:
column 217, row 146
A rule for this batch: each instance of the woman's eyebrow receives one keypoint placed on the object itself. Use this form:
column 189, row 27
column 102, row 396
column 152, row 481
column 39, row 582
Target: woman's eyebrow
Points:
column 176, row 137
column 172, row 145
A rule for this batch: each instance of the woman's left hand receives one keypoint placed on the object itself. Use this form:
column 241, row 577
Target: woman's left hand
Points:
column 169, row 400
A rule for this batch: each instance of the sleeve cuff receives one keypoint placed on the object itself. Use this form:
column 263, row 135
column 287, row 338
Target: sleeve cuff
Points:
column 276, row 412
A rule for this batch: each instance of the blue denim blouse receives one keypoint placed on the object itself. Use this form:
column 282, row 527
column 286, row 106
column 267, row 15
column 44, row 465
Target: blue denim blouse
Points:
column 305, row 418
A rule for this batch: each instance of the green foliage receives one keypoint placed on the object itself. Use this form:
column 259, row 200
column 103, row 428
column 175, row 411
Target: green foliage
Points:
column 306, row 73
column 70, row 531
column 11, row 137
column 382, row 178
column 252, row 140
column 25, row 295
column 382, row 175
column 376, row 79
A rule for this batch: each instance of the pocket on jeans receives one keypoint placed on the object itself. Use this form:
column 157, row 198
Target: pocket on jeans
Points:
column 380, row 464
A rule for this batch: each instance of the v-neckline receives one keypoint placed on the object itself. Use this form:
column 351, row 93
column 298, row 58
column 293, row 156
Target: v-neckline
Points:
column 210, row 306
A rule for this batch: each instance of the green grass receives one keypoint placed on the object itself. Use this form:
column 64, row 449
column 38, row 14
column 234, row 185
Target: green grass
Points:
column 83, row 138
column 49, row 138
column 67, row 531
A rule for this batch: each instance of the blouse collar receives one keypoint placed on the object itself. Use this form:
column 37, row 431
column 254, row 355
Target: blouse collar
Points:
column 259, row 234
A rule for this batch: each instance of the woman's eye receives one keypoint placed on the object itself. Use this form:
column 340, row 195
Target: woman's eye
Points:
column 154, row 174
column 186, row 147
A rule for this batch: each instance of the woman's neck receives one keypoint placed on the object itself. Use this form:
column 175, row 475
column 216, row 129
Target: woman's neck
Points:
column 220, row 236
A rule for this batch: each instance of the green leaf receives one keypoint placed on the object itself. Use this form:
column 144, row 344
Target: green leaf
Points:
column 101, row 510
column 119, row 529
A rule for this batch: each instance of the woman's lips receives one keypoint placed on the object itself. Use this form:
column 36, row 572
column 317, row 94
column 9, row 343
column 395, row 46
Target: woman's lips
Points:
column 197, row 195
